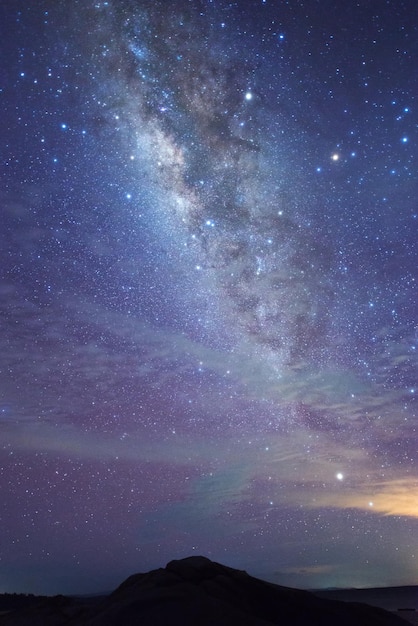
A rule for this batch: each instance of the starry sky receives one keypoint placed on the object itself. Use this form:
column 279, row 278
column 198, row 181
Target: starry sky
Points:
column 208, row 287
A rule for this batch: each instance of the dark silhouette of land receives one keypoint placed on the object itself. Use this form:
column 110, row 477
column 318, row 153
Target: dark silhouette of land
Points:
column 194, row 591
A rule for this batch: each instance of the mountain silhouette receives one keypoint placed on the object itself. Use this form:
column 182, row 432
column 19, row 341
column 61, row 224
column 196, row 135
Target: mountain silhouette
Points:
column 196, row 591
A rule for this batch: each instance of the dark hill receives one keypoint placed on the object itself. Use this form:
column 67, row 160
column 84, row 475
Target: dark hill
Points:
column 197, row 591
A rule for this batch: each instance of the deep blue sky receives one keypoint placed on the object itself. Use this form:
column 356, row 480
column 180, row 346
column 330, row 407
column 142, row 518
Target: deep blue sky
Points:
column 208, row 290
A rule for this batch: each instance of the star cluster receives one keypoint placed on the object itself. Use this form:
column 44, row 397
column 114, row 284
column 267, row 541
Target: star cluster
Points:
column 209, row 267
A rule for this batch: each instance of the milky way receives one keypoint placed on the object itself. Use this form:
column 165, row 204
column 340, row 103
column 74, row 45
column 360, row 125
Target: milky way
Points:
column 209, row 291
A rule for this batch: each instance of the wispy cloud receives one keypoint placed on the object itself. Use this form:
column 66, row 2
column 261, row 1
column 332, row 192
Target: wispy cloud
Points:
column 397, row 497
column 310, row 570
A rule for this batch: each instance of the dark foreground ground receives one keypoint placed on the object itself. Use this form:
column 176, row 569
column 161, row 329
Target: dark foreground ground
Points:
column 197, row 591
column 401, row 600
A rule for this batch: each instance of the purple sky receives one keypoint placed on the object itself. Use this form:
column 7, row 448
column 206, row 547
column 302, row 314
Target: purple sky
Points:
column 208, row 291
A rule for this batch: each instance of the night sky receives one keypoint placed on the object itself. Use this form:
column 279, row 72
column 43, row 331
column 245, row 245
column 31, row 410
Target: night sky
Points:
column 209, row 257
